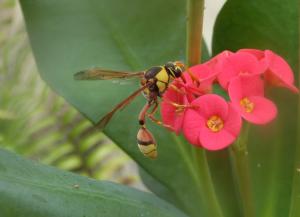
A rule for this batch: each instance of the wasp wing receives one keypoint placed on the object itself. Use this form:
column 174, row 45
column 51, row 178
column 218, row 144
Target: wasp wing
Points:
column 104, row 121
column 105, row 74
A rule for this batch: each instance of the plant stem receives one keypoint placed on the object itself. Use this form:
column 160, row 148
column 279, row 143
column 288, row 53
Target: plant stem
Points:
column 210, row 197
column 195, row 10
column 241, row 171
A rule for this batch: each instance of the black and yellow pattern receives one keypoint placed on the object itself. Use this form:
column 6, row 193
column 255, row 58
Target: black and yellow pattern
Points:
column 146, row 143
column 154, row 82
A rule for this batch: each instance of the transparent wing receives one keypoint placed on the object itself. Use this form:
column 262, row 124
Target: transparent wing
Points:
column 104, row 121
column 104, row 74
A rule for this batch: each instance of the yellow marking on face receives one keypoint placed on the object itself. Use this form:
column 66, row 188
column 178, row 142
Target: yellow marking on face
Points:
column 172, row 74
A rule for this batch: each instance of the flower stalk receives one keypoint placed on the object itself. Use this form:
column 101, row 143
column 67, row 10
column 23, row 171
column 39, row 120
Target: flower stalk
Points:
column 195, row 10
column 241, row 171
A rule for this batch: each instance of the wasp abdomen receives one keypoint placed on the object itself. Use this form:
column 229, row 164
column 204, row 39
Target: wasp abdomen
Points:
column 146, row 143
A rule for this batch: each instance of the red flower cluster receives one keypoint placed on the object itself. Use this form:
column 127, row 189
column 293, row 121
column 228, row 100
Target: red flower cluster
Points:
column 208, row 120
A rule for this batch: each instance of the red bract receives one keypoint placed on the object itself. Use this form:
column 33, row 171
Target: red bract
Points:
column 276, row 70
column 206, row 119
column 173, row 106
column 199, row 79
column 236, row 64
column 279, row 72
column 214, row 63
column 247, row 96
column 211, row 122
column 260, row 55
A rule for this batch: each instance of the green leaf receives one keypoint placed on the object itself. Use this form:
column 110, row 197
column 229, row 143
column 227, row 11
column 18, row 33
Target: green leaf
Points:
column 270, row 24
column 31, row 189
column 70, row 35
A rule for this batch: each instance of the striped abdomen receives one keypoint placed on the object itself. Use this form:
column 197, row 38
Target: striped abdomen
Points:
column 146, row 143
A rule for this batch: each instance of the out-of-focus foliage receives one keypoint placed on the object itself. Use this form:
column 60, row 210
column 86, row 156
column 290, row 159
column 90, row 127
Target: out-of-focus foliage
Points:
column 37, row 123
column 31, row 189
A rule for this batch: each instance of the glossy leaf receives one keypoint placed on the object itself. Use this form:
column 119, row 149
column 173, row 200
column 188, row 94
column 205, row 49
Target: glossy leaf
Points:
column 30, row 189
column 70, row 35
column 270, row 24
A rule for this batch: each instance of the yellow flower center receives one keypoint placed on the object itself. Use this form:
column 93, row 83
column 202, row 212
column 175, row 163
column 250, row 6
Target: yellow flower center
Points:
column 215, row 123
column 247, row 104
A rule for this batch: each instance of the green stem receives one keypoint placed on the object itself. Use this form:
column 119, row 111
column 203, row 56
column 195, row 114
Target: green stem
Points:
column 195, row 9
column 208, row 190
column 241, row 171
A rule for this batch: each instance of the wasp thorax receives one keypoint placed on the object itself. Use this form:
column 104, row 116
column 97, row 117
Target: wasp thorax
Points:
column 175, row 69
column 146, row 143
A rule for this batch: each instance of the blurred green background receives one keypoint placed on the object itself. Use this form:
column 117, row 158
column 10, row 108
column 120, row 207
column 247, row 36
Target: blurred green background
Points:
column 37, row 123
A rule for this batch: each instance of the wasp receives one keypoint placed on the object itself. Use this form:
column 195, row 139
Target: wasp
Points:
column 153, row 83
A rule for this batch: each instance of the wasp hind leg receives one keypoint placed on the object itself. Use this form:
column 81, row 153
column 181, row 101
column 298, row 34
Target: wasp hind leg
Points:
column 155, row 120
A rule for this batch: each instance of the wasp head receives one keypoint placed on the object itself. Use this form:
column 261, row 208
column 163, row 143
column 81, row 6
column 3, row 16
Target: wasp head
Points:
column 175, row 69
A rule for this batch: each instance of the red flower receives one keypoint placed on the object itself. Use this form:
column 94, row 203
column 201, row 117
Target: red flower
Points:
column 236, row 64
column 199, row 79
column 260, row 55
column 173, row 106
column 207, row 120
column 211, row 122
column 279, row 73
column 215, row 62
column 276, row 70
column 176, row 99
column 247, row 96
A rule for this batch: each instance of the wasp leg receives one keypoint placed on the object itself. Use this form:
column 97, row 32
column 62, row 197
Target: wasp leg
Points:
column 155, row 120
column 181, row 107
column 151, row 100
column 194, row 78
column 183, row 78
column 143, row 113
column 151, row 115
column 177, row 89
